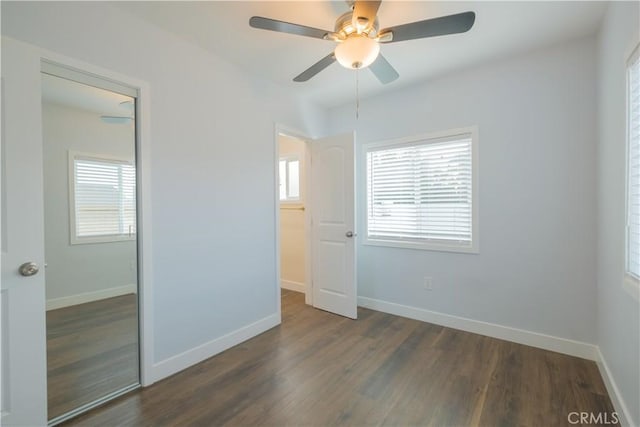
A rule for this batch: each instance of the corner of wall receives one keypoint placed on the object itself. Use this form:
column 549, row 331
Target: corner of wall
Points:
column 195, row 355
column 624, row 415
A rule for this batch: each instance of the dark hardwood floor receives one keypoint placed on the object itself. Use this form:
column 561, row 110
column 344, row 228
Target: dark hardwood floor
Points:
column 321, row 369
column 92, row 350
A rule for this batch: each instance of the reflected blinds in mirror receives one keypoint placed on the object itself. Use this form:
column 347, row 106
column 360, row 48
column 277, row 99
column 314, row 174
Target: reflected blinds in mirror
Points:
column 105, row 197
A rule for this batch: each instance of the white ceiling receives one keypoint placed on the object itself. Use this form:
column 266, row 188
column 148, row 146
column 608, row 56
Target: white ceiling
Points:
column 77, row 95
column 501, row 29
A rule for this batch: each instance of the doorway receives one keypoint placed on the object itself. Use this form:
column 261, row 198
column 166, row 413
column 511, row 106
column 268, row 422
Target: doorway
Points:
column 90, row 235
column 315, row 207
column 293, row 198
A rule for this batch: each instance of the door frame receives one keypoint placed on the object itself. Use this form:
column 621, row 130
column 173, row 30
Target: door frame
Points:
column 143, row 172
column 281, row 129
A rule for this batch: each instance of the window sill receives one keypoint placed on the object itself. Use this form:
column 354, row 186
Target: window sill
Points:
column 631, row 285
column 101, row 239
column 431, row 246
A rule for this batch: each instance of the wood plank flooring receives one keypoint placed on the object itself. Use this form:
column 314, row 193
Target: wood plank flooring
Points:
column 92, row 350
column 320, row 369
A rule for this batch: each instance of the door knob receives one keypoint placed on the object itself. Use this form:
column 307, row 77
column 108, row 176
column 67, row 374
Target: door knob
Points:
column 350, row 234
column 28, row 269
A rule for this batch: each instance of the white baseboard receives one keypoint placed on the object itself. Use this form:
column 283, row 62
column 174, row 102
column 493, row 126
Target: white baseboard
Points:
column 520, row 336
column 84, row 297
column 293, row 286
column 204, row 351
column 624, row 416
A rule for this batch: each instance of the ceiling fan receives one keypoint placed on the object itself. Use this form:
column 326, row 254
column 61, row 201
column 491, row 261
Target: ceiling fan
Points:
column 119, row 119
column 358, row 36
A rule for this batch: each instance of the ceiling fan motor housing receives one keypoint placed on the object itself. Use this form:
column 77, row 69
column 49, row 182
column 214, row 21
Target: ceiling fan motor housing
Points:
column 344, row 26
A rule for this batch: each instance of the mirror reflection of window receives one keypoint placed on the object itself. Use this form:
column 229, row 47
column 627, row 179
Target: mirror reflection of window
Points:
column 104, row 202
column 91, row 280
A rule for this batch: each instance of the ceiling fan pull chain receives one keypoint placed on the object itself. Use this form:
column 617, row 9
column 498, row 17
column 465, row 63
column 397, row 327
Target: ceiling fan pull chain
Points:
column 357, row 93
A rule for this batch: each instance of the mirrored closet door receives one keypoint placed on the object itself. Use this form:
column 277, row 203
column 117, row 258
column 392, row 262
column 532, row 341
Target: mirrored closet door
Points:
column 90, row 242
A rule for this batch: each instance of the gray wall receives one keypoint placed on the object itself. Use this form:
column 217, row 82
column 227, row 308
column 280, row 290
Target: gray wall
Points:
column 213, row 165
column 618, row 312
column 536, row 117
column 85, row 268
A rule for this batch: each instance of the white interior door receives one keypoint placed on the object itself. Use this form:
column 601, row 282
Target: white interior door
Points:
column 23, row 370
column 333, row 225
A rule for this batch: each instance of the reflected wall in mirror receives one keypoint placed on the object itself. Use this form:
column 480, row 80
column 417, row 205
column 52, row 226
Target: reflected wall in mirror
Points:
column 90, row 243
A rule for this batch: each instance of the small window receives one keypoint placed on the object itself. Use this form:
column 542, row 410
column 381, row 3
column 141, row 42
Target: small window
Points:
column 289, row 178
column 102, row 199
column 633, row 168
column 421, row 192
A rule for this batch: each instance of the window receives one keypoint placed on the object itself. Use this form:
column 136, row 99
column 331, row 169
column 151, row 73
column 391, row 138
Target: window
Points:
column 289, row 173
column 421, row 192
column 102, row 199
column 633, row 167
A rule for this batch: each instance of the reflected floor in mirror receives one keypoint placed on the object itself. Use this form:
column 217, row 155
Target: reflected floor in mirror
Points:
column 92, row 350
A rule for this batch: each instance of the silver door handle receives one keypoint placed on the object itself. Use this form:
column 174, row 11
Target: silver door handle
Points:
column 28, row 269
column 350, row 234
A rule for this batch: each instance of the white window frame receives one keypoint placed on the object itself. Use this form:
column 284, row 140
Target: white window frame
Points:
column 288, row 159
column 74, row 239
column 631, row 283
column 430, row 245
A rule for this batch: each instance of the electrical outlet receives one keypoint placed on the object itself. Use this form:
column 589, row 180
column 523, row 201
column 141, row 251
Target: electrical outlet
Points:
column 428, row 283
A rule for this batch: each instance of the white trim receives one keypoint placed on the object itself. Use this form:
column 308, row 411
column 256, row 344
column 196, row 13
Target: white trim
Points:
column 293, row 286
column 276, row 214
column 631, row 285
column 624, row 416
column 520, row 336
column 143, row 176
column 308, row 264
column 628, row 283
column 144, row 227
column 204, row 351
column 440, row 246
column 85, row 297
column 85, row 78
column 427, row 245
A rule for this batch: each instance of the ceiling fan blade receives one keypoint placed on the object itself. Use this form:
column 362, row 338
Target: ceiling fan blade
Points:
column 316, row 68
column 364, row 14
column 451, row 24
column 287, row 27
column 383, row 70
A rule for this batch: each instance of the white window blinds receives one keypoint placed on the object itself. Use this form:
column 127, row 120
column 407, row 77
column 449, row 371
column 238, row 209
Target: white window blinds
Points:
column 104, row 198
column 421, row 192
column 633, row 168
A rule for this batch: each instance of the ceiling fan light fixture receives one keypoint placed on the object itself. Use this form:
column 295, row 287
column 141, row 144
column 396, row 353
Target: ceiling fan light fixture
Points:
column 357, row 51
